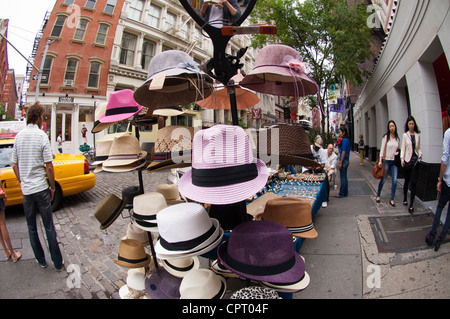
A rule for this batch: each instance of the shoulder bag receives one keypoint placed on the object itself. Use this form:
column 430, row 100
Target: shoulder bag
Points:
column 378, row 172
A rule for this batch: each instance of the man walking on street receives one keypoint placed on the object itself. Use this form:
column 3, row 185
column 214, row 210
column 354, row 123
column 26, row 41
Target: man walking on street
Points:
column 32, row 163
column 443, row 189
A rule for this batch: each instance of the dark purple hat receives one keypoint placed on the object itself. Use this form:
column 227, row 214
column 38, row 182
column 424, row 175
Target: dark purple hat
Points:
column 162, row 285
column 264, row 251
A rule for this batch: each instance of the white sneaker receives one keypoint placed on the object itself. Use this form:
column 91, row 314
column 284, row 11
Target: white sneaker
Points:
column 324, row 204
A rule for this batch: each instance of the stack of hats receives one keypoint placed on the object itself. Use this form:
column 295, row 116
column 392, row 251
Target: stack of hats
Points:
column 186, row 230
column 125, row 155
column 135, row 285
column 145, row 210
column 120, row 106
column 172, row 148
column 174, row 78
column 264, row 251
column 102, row 149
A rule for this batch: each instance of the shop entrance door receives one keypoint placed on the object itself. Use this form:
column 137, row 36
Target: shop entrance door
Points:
column 64, row 126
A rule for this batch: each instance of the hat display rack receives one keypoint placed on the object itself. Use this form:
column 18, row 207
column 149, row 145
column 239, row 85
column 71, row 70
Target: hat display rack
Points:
column 183, row 237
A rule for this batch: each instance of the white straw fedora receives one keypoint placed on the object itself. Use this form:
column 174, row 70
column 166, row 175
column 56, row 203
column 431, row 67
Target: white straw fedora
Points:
column 202, row 284
column 186, row 230
column 182, row 266
column 145, row 210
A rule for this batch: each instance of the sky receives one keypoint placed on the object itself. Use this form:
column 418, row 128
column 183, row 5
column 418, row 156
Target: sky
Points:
column 25, row 19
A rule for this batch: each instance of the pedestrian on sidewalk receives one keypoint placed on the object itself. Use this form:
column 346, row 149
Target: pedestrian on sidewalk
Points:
column 443, row 188
column 344, row 161
column 410, row 154
column 361, row 149
column 5, row 240
column 59, row 141
column 32, row 163
column 391, row 149
column 330, row 170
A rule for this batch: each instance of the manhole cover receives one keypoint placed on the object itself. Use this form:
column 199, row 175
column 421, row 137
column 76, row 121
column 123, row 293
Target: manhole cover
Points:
column 401, row 234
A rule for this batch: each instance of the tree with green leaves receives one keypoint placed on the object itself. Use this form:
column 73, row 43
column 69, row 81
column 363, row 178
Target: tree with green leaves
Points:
column 332, row 36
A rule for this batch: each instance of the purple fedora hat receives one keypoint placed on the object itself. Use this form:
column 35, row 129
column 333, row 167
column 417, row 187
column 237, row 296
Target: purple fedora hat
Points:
column 263, row 251
column 224, row 170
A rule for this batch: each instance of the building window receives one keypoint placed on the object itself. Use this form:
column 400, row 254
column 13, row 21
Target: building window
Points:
column 94, row 75
column 57, row 28
column 102, row 33
column 185, row 30
column 81, row 29
column 69, row 1
column 127, row 49
column 110, row 5
column 154, row 16
column 90, row 4
column 148, row 52
column 46, row 69
column 135, row 10
column 170, row 21
column 69, row 77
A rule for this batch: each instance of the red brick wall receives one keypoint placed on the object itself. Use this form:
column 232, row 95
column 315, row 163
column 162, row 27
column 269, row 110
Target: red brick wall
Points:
column 65, row 46
column 3, row 63
column 10, row 94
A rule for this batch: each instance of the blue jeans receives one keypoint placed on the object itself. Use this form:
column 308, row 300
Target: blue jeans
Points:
column 343, row 191
column 40, row 203
column 444, row 197
column 389, row 166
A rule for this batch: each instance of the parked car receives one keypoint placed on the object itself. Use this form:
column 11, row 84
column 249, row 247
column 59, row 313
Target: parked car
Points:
column 72, row 175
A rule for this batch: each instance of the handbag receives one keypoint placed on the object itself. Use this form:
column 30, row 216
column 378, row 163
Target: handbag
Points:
column 378, row 172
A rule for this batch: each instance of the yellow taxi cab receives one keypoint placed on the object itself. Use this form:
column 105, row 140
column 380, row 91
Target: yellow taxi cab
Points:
column 72, row 175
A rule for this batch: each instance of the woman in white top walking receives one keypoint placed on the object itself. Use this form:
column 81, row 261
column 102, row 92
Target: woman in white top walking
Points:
column 391, row 149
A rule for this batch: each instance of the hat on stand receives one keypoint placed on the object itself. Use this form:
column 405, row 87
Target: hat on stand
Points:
column 202, row 284
column 256, row 207
column 168, row 111
column 121, row 105
column 162, row 285
column 172, row 148
column 132, row 254
column 125, row 155
column 135, row 287
column 263, row 251
column 170, row 193
column 186, row 230
column 136, row 233
column 145, row 210
column 279, row 70
column 99, row 112
column 293, row 213
column 223, row 168
column 182, row 266
column 102, row 149
column 174, row 78
column 129, row 193
column 292, row 146
column 108, row 210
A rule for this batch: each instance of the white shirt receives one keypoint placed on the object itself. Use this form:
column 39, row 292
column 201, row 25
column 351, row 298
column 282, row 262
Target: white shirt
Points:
column 31, row 150
column 321, row 155
column 446, row 156
column 332, row 160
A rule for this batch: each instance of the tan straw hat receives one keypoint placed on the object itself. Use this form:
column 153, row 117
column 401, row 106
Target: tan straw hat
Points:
column 293, row 213
column 132, row 254
column 170, row 193
column 125, row 150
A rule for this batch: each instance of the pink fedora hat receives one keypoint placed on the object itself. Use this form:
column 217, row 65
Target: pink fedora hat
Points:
column 223, row 168
column 279, row 70
column 121, row 105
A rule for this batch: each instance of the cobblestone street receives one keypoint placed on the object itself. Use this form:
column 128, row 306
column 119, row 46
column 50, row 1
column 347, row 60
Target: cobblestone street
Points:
column 92, row 249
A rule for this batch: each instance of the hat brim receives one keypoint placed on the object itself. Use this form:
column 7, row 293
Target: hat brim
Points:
column 308, row 234
column 203, row 248
column 132, row 265
column 114, row 216
column 99, row 126
column 180, row 272
column 223, row 195
column 167, row 164
column 119, row 117
column 141, row 224
column 121, row 162
column 294, row 274
column 256, row 207
column 168, row 95
column 124, row 168
column 279, row 81
column 291, row 287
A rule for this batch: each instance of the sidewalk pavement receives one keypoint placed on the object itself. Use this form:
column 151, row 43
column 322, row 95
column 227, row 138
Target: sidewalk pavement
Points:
column 343, row 261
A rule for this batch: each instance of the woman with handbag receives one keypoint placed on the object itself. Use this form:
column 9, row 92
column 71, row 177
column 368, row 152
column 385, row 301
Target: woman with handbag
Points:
column 410, row 155
column 389, row 148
